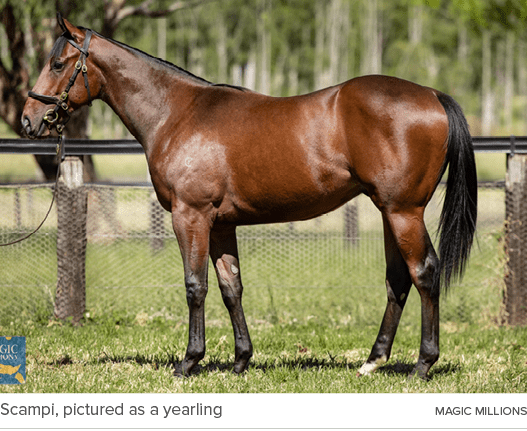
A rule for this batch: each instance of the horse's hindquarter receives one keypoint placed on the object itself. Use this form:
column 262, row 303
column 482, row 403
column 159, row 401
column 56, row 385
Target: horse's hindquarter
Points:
column 396, row 134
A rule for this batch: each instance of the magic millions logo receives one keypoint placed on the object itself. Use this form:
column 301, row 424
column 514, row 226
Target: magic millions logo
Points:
column 12, row 360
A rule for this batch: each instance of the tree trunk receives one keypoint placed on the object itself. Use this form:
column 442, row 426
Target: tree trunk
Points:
column 320, row 30
column 415, row 24
column 264, row 49
column 486, row 85
column 221, row 48
column 371, row 58
column 509, row 81
column 334, row 41
column 522, row 81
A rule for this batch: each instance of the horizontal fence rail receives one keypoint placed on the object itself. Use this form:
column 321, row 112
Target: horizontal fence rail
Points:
column 79, row 147
column 72, row 147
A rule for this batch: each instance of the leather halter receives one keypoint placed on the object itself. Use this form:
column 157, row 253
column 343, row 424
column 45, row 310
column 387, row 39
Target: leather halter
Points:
column 52, row 115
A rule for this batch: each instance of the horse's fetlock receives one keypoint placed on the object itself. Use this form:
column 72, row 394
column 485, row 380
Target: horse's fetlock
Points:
column 195, row 354
column 431, row 356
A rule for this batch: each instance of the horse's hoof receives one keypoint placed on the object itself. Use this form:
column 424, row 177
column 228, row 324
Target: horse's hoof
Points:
column 240, row 368
column 181, row 371
column 419, row 372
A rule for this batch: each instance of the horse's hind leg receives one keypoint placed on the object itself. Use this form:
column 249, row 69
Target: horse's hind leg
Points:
column 398, row 284
column 416, row 248
column 224, row 254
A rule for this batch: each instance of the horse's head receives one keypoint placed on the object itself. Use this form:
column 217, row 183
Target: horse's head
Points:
column 59, row 89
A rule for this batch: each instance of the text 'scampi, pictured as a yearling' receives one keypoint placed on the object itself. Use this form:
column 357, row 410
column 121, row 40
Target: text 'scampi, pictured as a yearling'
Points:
column 222, row 156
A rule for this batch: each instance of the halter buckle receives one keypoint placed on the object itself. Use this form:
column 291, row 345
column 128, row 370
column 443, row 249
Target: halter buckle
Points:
column 63, row 96
column 78, row 65
column 49, row 120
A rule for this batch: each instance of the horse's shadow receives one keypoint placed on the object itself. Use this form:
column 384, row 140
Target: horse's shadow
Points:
column 297, row 363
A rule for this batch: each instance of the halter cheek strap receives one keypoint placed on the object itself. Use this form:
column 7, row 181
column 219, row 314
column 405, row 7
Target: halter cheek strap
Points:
column 52, row 115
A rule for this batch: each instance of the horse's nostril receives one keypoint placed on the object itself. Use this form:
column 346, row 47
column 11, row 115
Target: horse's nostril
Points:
column 26, row 125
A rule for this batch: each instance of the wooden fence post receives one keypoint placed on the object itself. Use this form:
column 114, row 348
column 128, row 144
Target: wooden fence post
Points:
column 515, row 298
column 72, row 204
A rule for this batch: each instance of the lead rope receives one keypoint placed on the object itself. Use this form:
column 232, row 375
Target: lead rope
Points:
column 60, row 154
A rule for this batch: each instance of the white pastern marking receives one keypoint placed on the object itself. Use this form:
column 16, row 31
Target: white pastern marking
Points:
column 369, row 368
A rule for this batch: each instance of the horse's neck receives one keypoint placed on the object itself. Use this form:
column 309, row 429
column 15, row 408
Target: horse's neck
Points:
column 143, row 93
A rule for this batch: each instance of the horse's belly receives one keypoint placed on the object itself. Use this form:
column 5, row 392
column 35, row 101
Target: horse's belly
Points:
column 285, row 202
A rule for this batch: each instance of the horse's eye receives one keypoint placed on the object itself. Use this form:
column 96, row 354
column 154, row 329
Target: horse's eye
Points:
column 57, row 66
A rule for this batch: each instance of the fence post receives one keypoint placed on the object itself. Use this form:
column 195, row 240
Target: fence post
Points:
column 72, row 203
column 515, row 298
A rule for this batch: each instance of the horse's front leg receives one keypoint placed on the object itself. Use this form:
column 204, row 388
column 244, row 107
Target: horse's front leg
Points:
column 192, row 231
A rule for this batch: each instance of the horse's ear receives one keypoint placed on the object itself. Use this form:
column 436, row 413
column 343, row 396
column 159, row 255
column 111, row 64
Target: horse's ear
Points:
column 60, row 21
column 69, row 28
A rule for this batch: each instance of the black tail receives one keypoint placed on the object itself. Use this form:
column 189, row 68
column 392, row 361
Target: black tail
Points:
column 458, row 218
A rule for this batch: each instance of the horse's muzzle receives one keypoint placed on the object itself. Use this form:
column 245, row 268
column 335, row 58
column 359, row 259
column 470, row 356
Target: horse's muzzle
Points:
column 31, row 131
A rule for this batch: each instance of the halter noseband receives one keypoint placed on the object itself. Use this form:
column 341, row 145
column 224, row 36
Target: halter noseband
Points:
column 52, row 115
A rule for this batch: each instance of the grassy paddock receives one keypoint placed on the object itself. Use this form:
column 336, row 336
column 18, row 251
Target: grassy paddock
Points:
column 295, row 356
column 306, row 340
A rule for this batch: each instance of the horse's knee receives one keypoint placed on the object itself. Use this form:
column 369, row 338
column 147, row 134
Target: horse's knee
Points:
column 196, row 291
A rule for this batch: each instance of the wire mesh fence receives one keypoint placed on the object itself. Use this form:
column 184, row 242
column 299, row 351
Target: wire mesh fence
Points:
column 133, row 266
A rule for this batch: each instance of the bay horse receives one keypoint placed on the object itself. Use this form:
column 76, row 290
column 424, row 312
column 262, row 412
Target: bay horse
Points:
column 221, row 156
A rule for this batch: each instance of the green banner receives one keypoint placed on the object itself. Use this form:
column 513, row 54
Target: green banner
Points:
column 263, row 411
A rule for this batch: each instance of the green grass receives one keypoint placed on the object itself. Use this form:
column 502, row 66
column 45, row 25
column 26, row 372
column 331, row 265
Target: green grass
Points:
column 292, row 357
column 491, row 166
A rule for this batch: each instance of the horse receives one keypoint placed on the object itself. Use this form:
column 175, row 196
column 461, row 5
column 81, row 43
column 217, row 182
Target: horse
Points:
column 221, row 156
